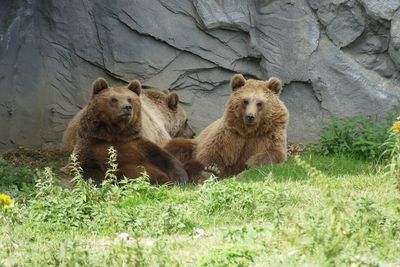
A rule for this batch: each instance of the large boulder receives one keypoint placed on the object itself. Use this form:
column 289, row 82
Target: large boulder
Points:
column 381, row 9
column 343, row 19
column 345, row 88
column 336, row 57
column 371, row 49
column 305, row 112
column 287, row 33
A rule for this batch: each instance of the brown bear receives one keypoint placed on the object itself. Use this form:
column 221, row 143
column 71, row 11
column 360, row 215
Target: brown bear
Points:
column 113, row 118
column 251, row 132
column 163, row 118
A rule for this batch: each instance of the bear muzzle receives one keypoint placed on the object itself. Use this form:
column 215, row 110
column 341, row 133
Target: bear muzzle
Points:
column 126, row 111
column 250, row 118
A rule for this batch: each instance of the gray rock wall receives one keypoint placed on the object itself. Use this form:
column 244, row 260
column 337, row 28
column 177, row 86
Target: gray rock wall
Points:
column 336, row 57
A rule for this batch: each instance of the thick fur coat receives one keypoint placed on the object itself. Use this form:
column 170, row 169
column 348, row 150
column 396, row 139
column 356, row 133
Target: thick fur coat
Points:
column 113, row 118
column 251, row 132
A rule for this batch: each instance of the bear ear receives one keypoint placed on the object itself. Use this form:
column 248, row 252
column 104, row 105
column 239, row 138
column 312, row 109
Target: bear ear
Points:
column 99, row 85
column 275, row 85
column 237, row 81
column 165, row 91
column 173, row 101
column 135, row 86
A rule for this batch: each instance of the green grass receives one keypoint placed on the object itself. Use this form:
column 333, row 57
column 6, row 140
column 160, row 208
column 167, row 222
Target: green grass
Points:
column 348, row 214
column 332, row 166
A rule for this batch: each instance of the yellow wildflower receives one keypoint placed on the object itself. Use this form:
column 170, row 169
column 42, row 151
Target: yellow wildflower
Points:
column 396, row 127
column 5, row 201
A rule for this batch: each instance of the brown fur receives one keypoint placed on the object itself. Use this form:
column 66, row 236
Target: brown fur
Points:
column 113, row 118
column 233, row 143
column 194, row 169
column 163, row 118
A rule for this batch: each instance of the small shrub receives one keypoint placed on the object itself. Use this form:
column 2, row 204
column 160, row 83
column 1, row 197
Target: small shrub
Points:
column 58, row 206
column 140, row 191
column 360, row 136
column 11, row 176
column 217, row 197
column 231, row 197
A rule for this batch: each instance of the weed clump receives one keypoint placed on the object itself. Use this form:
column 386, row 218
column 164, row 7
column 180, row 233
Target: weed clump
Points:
column 361, row 137
column 229, row 257
column 392, row 168
column 14, row 178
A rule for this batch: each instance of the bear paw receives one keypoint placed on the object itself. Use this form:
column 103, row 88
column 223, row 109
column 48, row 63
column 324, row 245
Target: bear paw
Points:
column 251, row 162
column 211, row 170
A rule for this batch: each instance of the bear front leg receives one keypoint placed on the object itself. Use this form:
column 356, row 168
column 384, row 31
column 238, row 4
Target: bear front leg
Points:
column 94, row 172
column 194, row 169
column 220, row 153
column 176, row 170
column 213, row 164
column 164, row 161
column 157, row 176
column 180, row 148
column 266, row 158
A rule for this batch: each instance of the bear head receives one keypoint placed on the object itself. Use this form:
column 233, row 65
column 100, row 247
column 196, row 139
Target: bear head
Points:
column 174, row 116
column 179, row 126
column 254, row 104
column 113, row 113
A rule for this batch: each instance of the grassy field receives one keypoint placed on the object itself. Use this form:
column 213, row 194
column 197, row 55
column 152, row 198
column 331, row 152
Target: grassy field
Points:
column 316, row 210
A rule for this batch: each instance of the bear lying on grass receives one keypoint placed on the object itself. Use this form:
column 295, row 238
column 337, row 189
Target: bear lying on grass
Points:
column 113, row 118
column 251, row 132
column 162, row 118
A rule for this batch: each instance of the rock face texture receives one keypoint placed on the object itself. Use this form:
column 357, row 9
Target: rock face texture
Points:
column 336, row 57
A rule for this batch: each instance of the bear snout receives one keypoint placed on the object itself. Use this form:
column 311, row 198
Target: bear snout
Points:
column 250, row 118
column 127, row 110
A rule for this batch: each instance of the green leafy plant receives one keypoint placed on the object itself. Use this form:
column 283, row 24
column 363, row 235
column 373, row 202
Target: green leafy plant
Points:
column 392, row 167
column 360, row 136
column 313, row 210
column 16, row 177
column 231, row 257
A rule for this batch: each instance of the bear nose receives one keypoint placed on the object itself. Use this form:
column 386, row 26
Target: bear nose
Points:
column 250, row 117
column 127, row 108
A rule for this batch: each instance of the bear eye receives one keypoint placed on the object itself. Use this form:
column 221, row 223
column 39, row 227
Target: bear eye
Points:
column 245, row 102
column 259, row 104
column 130, row 100
column 114, row 100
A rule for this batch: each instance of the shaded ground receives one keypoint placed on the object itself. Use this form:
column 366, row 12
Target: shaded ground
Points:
column 40, row 158
column 56, row 159
column 36, row 158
